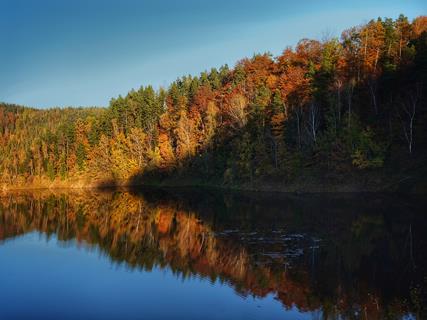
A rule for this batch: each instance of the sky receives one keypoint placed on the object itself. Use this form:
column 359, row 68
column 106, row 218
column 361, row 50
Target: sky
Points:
column 85, row 52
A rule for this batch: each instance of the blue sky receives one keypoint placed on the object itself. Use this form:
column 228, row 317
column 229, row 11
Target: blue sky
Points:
column 84, row 52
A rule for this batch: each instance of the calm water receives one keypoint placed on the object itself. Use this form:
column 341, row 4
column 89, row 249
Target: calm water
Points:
column 205, row 255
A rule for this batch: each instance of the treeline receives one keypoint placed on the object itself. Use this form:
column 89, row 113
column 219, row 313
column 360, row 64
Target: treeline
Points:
column 336, row 105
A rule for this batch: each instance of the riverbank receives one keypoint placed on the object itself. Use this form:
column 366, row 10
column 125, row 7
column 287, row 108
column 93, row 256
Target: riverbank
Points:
column 310, row 182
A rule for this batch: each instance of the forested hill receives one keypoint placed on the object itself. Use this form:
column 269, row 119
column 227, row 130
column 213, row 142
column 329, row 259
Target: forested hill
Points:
column 348, row 112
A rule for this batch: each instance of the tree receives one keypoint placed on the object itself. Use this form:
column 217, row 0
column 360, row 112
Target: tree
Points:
column 313, row 121
column 138, row 147
column 81, row 156
column 166, row 152
column 409, row 102
column 235, row 109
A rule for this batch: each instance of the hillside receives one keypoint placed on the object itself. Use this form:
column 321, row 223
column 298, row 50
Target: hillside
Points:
column 344, row 114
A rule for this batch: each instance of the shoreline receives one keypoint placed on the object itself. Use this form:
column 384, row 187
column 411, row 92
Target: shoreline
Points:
column 292, row 188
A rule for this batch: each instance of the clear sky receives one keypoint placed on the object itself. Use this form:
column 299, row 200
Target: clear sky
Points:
column 84, row 52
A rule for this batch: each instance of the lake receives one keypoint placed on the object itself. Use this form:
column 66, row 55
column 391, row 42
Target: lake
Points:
column 200, row 254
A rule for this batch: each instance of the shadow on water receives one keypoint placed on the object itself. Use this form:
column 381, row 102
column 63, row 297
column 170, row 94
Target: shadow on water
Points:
column 354, row 256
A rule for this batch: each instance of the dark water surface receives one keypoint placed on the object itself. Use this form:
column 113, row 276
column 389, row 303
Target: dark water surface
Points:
column 190, row 254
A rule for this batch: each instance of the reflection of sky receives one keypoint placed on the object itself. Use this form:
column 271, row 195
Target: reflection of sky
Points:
column 85, row 52
column 55, row 280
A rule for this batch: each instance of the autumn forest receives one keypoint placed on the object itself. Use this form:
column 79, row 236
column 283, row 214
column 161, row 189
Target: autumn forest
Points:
column 344, row 113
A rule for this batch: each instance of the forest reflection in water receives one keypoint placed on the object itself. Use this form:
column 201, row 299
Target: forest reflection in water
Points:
column 348, row 256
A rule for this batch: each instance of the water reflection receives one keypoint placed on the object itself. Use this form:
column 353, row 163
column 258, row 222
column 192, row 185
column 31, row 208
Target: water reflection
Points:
column 334, row 256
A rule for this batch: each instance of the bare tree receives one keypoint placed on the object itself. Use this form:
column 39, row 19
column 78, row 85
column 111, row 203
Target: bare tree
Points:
column 373, row 88
column 338, row 87
column 349, row 91
column 298, row 113
column 237, row 111
column 409, row 102
column 313, row 121
column 274, row 147
column 138, row 145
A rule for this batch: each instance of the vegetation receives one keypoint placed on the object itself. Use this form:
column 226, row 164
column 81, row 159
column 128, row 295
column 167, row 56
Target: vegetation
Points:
column 334, row 109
